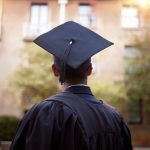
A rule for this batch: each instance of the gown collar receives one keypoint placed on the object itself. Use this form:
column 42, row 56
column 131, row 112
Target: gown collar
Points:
column 79, row 89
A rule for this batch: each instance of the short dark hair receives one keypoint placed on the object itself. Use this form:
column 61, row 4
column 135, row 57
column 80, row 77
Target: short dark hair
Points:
column 68, row 73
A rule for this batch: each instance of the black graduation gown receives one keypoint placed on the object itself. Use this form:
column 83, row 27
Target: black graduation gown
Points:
column 72, row 120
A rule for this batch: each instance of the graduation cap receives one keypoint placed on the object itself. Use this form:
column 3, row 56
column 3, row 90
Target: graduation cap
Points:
column 72, row 43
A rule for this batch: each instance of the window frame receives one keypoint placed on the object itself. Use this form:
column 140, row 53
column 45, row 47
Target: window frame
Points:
column 31, row 9
column 88, row 18
column 128, row 17
column 137, row 112
column 134, row 106
column 35, row 27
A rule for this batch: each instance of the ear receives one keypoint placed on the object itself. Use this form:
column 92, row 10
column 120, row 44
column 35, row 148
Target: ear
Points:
column 55, row 70
column 89, row 70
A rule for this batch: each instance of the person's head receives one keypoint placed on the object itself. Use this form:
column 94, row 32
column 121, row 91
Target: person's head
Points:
column 69, row 75
column 72, row 43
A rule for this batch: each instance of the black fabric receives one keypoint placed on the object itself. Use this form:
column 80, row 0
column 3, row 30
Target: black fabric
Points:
column 69, row 121
column 72, row 43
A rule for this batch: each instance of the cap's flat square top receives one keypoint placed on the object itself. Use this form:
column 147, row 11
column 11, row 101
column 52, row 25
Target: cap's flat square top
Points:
column 72, row 43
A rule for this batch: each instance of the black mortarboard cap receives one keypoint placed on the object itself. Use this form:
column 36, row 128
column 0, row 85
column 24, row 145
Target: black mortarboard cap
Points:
column 72, row 43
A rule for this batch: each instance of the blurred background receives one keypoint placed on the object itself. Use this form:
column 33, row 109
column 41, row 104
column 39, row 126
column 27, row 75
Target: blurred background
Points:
column 121, row 73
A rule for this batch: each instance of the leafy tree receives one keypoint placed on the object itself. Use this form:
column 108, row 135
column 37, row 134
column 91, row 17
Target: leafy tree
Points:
column 33, row 76
column 8, row 125
column 137, row 75
column 111, row 92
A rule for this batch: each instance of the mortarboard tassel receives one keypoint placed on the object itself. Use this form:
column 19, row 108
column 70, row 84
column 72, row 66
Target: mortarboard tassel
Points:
column 66, row 54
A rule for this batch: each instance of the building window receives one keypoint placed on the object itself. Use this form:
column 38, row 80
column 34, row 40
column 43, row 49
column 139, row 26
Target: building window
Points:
column 135, row 112
column 85, row 14
column 129, row 17
column 39, row 14
column 130, row 52
column 38, row 22
column 134, row 105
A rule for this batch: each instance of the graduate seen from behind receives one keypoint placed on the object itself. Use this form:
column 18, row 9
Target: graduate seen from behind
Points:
column 73, row 119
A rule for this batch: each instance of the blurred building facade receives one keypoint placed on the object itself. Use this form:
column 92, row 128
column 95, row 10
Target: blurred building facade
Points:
column 118, row 20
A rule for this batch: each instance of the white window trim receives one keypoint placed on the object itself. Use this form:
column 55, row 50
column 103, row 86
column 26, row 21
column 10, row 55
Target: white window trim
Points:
column 62, row 11
column 128, row 20
column 91, row 19
column 33, row 29
column 38, row 7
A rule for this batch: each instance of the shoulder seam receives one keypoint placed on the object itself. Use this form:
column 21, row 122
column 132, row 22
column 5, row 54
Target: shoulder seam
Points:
column 62, row 104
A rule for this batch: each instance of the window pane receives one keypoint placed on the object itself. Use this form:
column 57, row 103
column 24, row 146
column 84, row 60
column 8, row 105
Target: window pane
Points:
column 84, row 10
column 130, row 17
column 135, row 112
column 129, row 12
column 35, row 14
column 39, row 14
column 43, row 19
column 130, row 52
column 130, row 22
column 85, row 14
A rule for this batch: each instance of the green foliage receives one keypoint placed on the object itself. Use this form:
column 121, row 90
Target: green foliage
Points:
column 111, row 92
column 33, row 76
column 138, row 76
column 8, row 126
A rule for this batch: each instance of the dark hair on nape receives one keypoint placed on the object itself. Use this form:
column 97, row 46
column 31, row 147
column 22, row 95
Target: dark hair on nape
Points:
column 69, row 74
